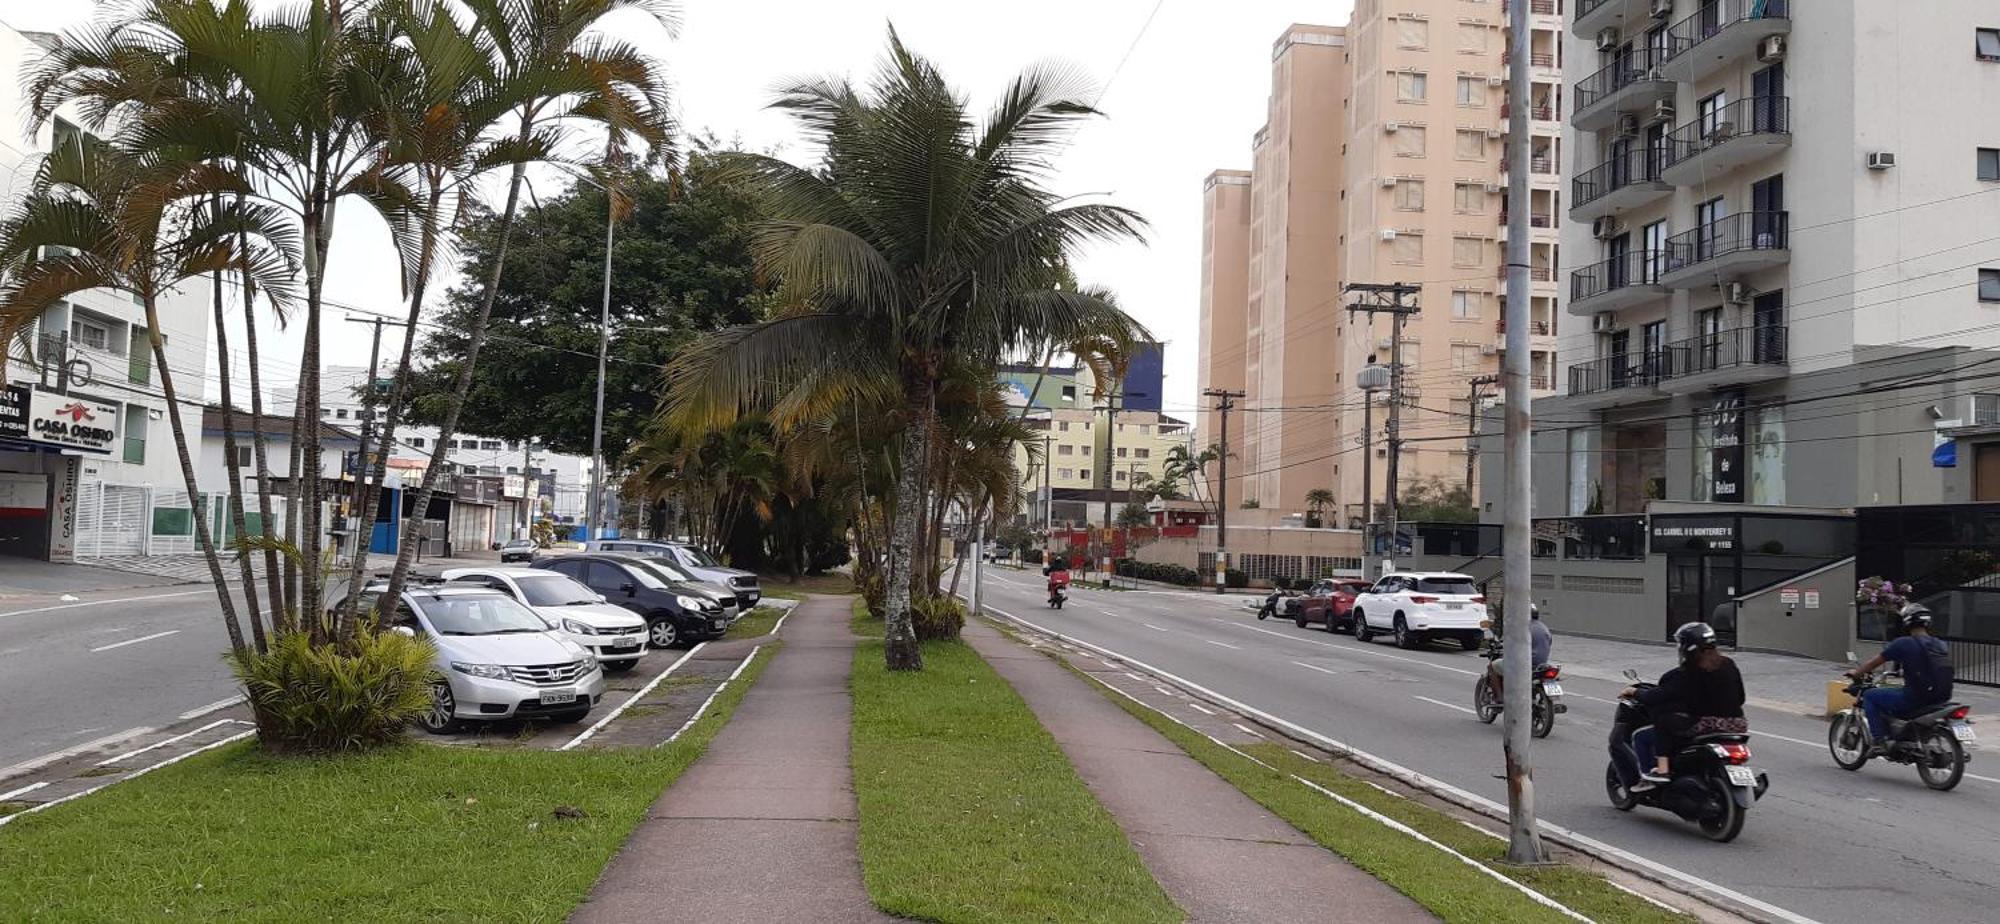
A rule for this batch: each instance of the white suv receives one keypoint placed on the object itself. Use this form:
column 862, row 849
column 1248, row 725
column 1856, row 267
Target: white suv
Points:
column 616, row 635
column 1417, row 606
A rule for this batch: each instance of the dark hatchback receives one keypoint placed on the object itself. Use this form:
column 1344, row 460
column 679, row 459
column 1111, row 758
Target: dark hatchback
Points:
column 675, row 611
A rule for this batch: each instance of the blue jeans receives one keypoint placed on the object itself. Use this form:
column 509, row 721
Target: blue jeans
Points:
column 1880, row 704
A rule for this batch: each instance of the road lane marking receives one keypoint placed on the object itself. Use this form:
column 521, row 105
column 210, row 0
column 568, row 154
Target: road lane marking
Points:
column 1305, row 755
column 200, row 711
column 1286, row 635
column 135, row 641
column 1439, row 702
column 1152, row 627
column 698, row 713
column 1314, row 667
column 1247, row 730
column 71, row 606
column 36, row 763
column 1204, row 710
column 1135, row 677
column 142, row 771
column 163, row 743
column 1222, row 644
column 31, row 787
column 621, row 707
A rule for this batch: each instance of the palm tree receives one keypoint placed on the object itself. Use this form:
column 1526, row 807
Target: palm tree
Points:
column 1317, row 500
column 918, row 241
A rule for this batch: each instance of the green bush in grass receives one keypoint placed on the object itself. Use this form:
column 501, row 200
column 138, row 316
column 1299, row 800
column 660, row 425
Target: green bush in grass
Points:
column 937, row 619
column 328, row 698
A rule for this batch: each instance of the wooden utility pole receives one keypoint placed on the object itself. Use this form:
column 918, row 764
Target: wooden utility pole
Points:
column 1398, row 301
column 1479, row 384
column 1225, row 402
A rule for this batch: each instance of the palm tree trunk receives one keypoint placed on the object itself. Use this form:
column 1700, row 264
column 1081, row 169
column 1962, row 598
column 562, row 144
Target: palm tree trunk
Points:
column 282, row 617
column 319, row 234
column 234, row 470
column 202, row 537
column 900, row 651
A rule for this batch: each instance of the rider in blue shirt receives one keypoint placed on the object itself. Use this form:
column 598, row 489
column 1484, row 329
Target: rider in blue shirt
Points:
column 1927, row 674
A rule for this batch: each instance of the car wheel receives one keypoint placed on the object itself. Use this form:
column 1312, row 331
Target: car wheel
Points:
column 1405, row 639
column 617, row 667
column 1468, row 642
column 662, row 633
column 442, row 717
column 1332, row 624
column 1362, row 632
column 569, row 718
column 1299, row 619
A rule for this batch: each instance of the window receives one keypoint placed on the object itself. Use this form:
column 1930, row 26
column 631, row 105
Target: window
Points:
column 1121, row 452
column 243, row 459
column 1142, row 453
column 1472, row 92
column 90, row 333
column 1464, row 305
column 1413, row 33
column 340, row 413
column 1410, row 141
column 416, row 442
column 1708, row 112
column 1062, row 426
column 135, row 434
column 1985, row 410
column 1065, row 472
column 1065, row 450
column 1464, row 357
column 1410, row 195
column 1086, row 451
column 1989, row 163
column 1407, row 248
column 1145, row 429
column 1473, row 38
column 1069, row 393
column 1988, row 44
column 1412, row 86
column 1083, row 473
column 470, row 469
column 513, row 470
column 1989, row 285
column 1468, row 251
column 489, row 444
column 1471, row 145
column 1118, row 476
column 1468, row 199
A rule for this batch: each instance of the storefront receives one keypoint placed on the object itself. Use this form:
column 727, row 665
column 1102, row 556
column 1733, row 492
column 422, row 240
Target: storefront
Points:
column 44, row 438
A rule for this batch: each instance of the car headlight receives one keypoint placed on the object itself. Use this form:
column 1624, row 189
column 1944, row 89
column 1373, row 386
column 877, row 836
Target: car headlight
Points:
column 488, row 671
column 688, row 603
column 589, row 664
column 572, row 626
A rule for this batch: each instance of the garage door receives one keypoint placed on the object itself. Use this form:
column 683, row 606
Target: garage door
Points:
column 24, row 515
column 110, row 519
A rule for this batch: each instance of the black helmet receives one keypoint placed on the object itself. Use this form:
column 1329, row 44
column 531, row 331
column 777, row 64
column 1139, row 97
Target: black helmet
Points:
column 1915, row 615
column 1693, row 637
column 1534, row 612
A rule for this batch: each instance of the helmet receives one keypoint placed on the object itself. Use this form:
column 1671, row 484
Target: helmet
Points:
column 1693, row 637
column 1915, row 615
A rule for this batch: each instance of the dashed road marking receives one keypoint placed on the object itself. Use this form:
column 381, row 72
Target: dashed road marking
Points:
column 1223, row 644
column 1439, row 702
column 135, row 641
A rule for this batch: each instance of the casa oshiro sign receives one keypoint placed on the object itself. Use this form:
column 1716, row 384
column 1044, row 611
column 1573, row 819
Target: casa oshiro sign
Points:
column 72, row 422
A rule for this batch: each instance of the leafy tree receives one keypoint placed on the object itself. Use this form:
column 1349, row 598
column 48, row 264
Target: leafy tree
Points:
column 1134, row 515
column 1317, row 500
column 1432, row 500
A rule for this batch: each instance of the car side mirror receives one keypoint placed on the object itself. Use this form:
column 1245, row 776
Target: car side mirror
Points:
column 404, row 631
column 628, row 588
column 600, row 598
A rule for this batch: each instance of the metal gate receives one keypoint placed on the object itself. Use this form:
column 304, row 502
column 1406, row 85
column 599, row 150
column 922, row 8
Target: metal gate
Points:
column 111, row 519
column 1975, row 661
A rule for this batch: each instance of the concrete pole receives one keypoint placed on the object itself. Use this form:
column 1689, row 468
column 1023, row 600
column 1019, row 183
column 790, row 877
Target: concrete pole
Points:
column 1395, row 431
column 594, row 525
column 1226, row 401
column 978, row 560
column 1524, row 843
column 1367, row 482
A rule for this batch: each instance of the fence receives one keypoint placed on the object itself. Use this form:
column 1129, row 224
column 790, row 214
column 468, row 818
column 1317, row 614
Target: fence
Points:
column 129, row 519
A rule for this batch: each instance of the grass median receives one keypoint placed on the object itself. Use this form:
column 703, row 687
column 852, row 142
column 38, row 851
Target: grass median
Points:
column 759, row 621
column 969, row 810
column 410, row 833
column 1439, row 882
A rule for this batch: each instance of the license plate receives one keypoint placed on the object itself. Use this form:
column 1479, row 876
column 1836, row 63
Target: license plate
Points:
column 1962, row 731
column 1741, row 776
column 1454, row 606
column 721, row 624
column 558, row 697
column 625, row 641
column 1552, row 689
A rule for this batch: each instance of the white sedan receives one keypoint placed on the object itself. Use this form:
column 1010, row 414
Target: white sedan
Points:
column 616, row 635
column 1418, row 606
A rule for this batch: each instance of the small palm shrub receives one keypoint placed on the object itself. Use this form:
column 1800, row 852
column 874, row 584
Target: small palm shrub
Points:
column 332, row 698
column 937, row 619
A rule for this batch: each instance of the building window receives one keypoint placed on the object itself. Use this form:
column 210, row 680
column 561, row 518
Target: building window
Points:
column 1988, row 44
column 340, row 413
column 1468, row 199
column 1083, row 473
column 88, row 332
column 1413, row 33
column 135, row 434
column 1985, row 410
column 470, row 469
column 1473, row 38
column 1708, row 112
column 1069, row 393
column 1065, row 473
column 1468, row 251
column 1085, row 450
column 1464, row 305
column 1464, row 357
column 1118, row 476
column 1412, row 86
column 1471, row 145
column 1472, row 92
column 1411, row 141
column 1121, row 452
column 1410, row 195
column 513, row 470
column 1145, row 429
column 1142, row 453
column 1065, row 450
column 489, row 444
column 1407, row 248
column 1989, row 285
column 1062, row 426
column 1989, row 163
column 416, row 442
column 243, row 459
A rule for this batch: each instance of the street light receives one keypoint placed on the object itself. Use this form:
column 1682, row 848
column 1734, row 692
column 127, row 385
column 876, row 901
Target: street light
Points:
column 1371, row 379
column 593, row 516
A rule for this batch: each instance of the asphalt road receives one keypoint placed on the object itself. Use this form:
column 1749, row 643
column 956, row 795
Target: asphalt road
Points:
column 105, row 666
column 1823, row 844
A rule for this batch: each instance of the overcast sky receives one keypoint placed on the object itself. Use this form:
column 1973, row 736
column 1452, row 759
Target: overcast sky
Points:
column 1185, row 102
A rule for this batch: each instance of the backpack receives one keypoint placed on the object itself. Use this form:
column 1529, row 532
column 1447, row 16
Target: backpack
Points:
column 1930, row 679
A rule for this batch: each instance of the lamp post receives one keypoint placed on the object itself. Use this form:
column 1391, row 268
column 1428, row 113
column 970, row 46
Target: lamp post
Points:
column 594, row 505
column 1372, row 378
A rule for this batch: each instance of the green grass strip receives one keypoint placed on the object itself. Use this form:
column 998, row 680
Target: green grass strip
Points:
column 1439, row 882
column 757, row 622
column 969, row 810
column 401, row 834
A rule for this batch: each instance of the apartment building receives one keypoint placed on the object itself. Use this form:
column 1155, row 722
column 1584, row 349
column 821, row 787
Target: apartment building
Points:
column 1085, row 456
column 1783, row 281
column 1382, row 162
column 1225, row 268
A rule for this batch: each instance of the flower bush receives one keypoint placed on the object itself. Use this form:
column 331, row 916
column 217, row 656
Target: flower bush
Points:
column 1880, row 592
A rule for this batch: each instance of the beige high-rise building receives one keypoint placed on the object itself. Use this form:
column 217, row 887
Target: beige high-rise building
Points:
column 1382, row 162
column 1225, row 293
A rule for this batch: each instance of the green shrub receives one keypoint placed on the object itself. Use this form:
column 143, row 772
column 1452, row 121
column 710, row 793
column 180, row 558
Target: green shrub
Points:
column 1235, row 578
column 1032, row 556
column 330, row 698
column 873, row 592
column 937, row 619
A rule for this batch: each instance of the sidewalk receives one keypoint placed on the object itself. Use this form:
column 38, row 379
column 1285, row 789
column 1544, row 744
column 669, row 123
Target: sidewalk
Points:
column 762, row 827
column 1220, row 855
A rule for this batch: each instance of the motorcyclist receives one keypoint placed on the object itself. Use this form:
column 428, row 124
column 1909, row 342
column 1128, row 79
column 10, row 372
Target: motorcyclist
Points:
column 1540, row 643
column 1703, row 696
column 1925, row 661
column 1057, row 573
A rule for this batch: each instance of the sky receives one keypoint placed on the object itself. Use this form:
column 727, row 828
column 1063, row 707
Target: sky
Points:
column 1184, row 85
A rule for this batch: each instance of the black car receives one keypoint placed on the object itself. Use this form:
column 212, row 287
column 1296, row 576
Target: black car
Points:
column 521, row 550
column 675, row 612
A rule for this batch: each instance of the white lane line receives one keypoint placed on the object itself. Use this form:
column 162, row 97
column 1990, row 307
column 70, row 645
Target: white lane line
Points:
column 621, row 707
column 135, row 641
column 1164, row 691
column 36, row 763
column 787, row 614
column 1315, row 667
column 1463, row 797
column 1222, row 644
column 1439, row 702
column 142, row 771
column 1285, row 635
column 1204, row 710
column 711, row 698
column 1152, row 627
column 199, row 711
column 183, row 736
column 1135, row 677
column 1303, row 754
column 71, row 606
column 31, row 787
column 1247, row 730
column 1358, row 649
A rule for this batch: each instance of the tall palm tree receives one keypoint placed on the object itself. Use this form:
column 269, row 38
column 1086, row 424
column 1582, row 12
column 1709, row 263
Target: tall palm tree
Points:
column 1317, row 500
column 920, row 238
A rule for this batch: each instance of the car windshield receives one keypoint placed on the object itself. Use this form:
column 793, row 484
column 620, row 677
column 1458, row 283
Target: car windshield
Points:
column 480, row 614
column 668, row 567
column 1447, row 585
column 553, row 590
column 700, row 558
column 648, row 575
column 519, row 544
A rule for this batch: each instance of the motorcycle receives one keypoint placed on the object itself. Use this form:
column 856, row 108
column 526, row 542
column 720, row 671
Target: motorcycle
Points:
column 1487, row 703
column 1933, row 740
column 1712, row 785
column 1058, row 589
column 1271, row 603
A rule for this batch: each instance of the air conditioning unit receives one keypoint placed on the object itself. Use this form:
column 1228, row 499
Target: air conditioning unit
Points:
column 1385, row 344
column 1605, row 228
column 1487, row 349
column 1494, row 134
column 1663, row 111
column 1391, row 126
column 1663, row 9
column 1388, row 182
column 1628, row 126
column 1388, row 234
column 1495, row 80
column 1607, row 40
column 1602, row 323
column 1495, row 188
column 1771, row 50
column 1881, row 160
column 1736, row 293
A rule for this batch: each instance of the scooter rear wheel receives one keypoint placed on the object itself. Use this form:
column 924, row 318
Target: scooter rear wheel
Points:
column 1940, row 759
column 1723, row 825
column 1622, row 798
column 1545, row 715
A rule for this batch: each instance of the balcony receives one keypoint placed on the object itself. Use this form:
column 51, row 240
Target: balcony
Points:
column 1726, row 358
column 1617, row 283
column 1541, row 112
column 1725, row 249
column 1538, row 165
column 1627, row 180
column 1631, row 83
column 1535, row 273
column 1535, row 7
column 1742, row 132
column 1537, row 328
column 1617, row 379
column 1537, row 221
column 1719, row 33
column 1594, row 16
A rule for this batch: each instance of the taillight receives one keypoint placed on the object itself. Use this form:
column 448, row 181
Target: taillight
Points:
column 1961, row 712
column 1732, row 753
column 1550, row 672
column 1423, row 599
column 1479, row 599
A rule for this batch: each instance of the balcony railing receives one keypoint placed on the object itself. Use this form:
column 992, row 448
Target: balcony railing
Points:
column 1537, row 7
column 1540, row 382
column 1619, row 370
column 1535, row 273
column 1759, row 345
column 1539, row 163
column 1541, row 59
column 1535, row 220
column 1540, row 113
column 1638, row 164
column 1636, row 66
column 1713, row 18
column 1635, row 268
column 1754, row 115
column 1539, row 328
column 1744, row 231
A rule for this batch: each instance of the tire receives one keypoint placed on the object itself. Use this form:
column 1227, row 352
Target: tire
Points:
column 1361, row 631
column 662, row 633
column 1484, row 704
column 619, row 667
column 440, row 719
column 1300, row 619
column 1468, row 642
column 569, row 718
column 1724, row 827
column 1405, row 639
column 1332, row 624
column 1545, row 715
column 1939, row 744
column 1622, row 799
column 1846, row 740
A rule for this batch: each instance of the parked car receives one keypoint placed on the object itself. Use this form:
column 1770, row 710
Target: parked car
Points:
column 1330, row 603
column 521, row 550
column 611, row 632
column 702, row 565
column 1418, row 606
column 675, row 610
column 496, row 659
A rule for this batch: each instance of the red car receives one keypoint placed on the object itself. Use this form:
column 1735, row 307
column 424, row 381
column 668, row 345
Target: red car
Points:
column 1330, row 603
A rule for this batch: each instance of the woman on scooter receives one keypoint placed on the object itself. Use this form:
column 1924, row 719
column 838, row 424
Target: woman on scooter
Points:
column 1703, row 696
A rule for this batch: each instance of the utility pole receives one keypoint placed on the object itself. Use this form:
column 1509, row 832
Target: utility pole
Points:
column 1225, row 402
column 1479, row 384
column 1371, row 379
column 527, row 504
column 1048, row 488
column 593, row 527
column 1398, row 301
column 1524, row 843
column 358, row 500
column 1111, row 407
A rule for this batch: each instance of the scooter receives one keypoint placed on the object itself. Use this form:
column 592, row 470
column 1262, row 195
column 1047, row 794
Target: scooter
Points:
column 1058, row 589
column 1487, row 703
column 1271, row 603
column 1933, row 740
column 1713, row 783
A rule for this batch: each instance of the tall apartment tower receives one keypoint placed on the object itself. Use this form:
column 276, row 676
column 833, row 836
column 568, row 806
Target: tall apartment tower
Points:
column 1775, row 200
column 1225, row 294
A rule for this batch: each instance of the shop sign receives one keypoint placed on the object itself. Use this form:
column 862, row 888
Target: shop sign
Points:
column 1686, row 535
column 72, row 422
column 1725, row 419
column 14, row 412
